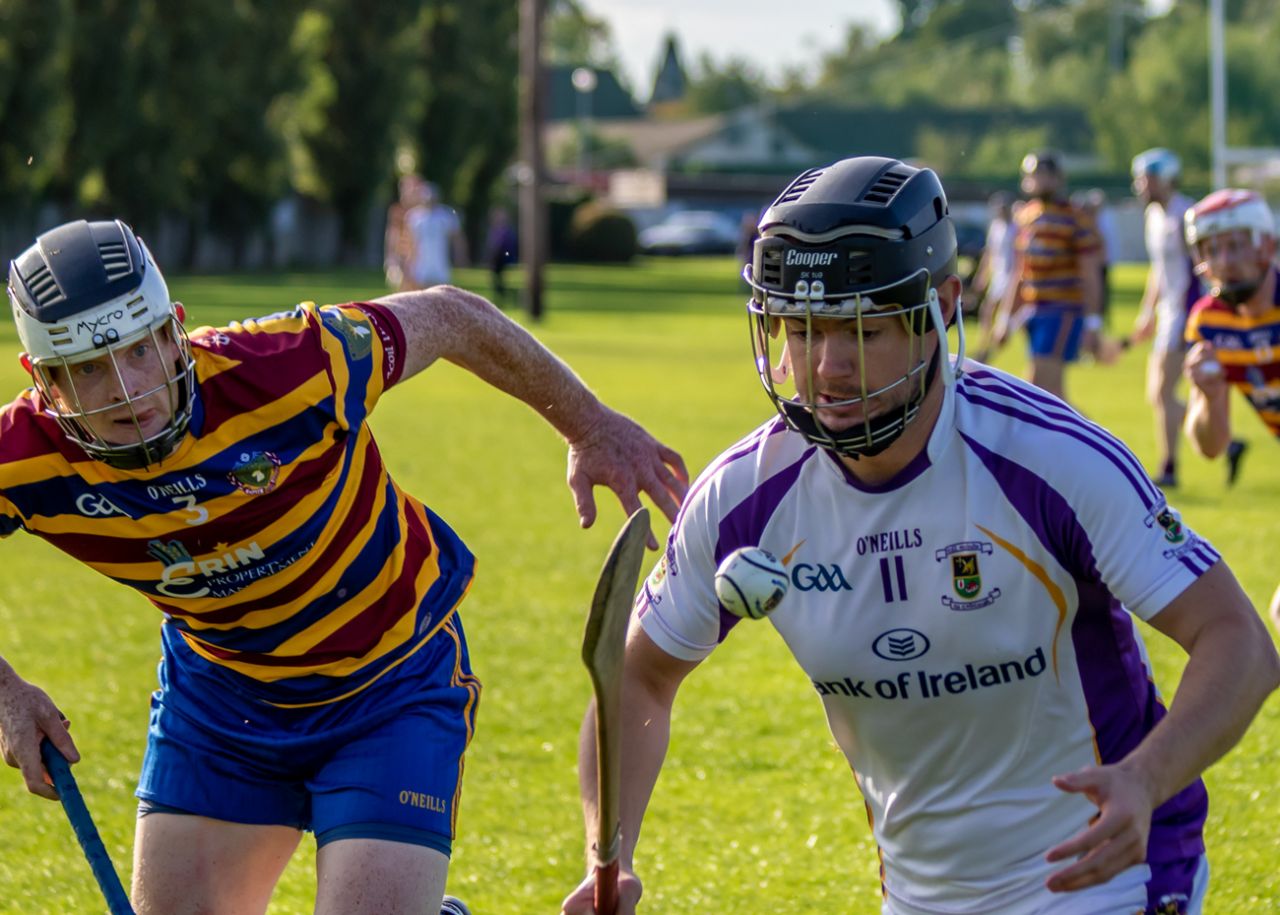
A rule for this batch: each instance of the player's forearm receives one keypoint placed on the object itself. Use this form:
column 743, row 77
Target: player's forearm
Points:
column 468, row 330
column 1091, row 285
column 1208, row 424
column 646, row 730
column 1231, row 670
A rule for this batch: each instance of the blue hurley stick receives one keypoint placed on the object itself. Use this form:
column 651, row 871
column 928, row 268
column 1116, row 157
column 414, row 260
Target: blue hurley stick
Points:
column 86, row 833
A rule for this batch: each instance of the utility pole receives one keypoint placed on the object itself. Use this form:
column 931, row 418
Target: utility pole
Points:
column 531, row 172
column 1217, row 96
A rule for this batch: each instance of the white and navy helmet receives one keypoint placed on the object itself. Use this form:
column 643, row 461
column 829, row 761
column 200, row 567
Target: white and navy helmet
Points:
column 1157, row 163
column 90, row 289
column 866, row 238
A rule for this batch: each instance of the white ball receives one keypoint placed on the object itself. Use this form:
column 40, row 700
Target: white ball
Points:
column 751, row 582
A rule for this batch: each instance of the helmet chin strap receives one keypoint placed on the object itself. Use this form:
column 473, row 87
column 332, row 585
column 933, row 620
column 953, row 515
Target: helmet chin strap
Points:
column 1235, row 293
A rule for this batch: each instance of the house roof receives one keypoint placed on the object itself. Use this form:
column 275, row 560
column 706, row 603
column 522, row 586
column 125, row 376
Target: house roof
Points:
column 840, row 131
column 609, row 100
column 651, row 141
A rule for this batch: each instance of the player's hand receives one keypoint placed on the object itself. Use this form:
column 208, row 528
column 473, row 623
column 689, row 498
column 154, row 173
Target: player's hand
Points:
column 1115, row 839
column 1091, row 343
column 1203, row 369
column 582, row 900
column 1143, row 328
column 1109, row 350
column 27, row 716
column 620, row 454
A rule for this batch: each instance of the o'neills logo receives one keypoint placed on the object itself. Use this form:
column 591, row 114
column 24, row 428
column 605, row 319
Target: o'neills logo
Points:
column 810, row 258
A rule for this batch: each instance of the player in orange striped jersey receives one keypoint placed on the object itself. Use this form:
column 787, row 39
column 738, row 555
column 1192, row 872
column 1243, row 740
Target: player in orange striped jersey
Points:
column 1234, row 330
column 315, row 672
column 1055, row 290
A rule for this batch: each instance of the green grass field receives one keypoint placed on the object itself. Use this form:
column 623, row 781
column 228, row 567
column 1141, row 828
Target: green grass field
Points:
column 756, row 810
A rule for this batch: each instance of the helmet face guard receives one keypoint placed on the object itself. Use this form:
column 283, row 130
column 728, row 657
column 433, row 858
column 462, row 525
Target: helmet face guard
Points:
column 169, row 351
column 88, row 298
column 864, row 241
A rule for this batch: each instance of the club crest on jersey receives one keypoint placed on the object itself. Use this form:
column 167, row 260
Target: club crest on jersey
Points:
column 966, row 574
column 358, row 335
column 255, row 473
column 1169, row 521
column 1171, row 904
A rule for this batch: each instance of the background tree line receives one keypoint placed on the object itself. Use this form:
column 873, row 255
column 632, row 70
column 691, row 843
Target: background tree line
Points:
column 202, row 115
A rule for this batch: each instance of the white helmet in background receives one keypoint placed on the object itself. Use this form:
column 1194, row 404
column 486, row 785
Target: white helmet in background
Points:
column 1227, row 210
column 1230, row 210
column 1157, row 163
column 91, row 289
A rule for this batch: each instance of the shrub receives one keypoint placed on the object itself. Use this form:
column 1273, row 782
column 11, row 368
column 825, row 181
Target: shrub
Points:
column 602, row 234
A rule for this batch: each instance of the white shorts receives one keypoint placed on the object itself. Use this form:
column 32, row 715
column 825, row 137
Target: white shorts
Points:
column 1171, row 323
column 1124, row 894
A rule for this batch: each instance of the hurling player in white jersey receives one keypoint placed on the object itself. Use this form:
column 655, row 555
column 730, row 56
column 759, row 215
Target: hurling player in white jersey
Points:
column 967, row 556
column 1166, row 300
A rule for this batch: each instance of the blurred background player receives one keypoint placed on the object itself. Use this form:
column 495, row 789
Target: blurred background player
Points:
column 1169, row 292
column 397, row 243
column 500, row 251
column 435, row 237
column 1234, row 330
column 1054, row 290
column 979, row 667
column 1093, row 203
column 991, row 278
column 315, row 673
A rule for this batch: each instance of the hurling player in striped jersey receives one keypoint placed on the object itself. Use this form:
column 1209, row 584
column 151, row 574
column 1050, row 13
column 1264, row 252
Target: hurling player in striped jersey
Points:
column 314, row 673
column 1234, row 329
column 967, row 557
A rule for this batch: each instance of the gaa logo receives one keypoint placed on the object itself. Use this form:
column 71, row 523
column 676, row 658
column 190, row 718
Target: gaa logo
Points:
column 819, row 577
column 900, row 645
column 92, row 505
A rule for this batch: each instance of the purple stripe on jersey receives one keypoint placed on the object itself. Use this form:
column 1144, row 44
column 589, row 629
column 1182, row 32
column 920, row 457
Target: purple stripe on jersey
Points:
column 1121, row 699
column 745, row 522
column 1172, row 886
column 1051, row 413
column 748, row 446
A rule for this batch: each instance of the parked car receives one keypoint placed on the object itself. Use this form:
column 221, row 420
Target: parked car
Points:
column 691, row 232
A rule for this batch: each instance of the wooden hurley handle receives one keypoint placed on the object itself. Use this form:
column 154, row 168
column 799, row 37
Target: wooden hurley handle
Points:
column 606, row 902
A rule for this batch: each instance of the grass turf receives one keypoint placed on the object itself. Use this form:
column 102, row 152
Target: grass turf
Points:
column 756, row 809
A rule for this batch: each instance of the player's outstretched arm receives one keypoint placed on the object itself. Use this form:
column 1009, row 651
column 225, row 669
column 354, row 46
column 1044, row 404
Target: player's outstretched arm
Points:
column 1231, row 668
column 605, row 447
column 650, row 680
column 27, row 716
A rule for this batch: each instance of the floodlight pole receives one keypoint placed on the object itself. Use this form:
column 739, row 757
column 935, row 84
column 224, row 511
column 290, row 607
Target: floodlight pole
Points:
column 1217, row 95
column 531, row 171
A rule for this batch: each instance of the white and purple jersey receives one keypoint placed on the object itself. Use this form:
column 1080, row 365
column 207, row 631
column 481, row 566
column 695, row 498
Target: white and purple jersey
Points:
column 968, row 626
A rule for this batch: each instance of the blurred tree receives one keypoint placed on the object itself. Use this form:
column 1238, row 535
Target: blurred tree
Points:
column 574, row 37
column 35, row 53
column 369, row 55
column 716, row 87
column 466, row 134
column 1163, row 97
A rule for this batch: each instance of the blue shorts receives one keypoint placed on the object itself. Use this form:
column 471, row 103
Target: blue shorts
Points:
column 385, row 763
column 1055, row 334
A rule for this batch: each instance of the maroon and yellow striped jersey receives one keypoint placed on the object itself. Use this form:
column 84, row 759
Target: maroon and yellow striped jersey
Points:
column 1052, row 236
column 1248, row 349
column 272, row 539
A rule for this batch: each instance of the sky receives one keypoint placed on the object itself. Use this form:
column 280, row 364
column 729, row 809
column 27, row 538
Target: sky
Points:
column 765, row 32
